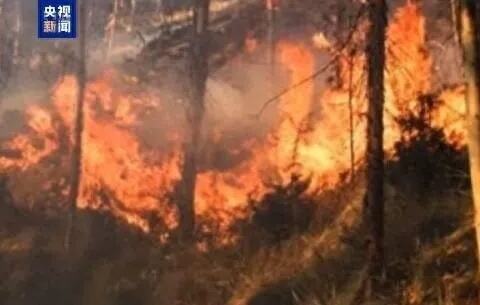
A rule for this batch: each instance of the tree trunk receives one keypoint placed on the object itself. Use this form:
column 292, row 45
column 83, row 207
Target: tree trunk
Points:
column 351, row 119
column 76, row 157
column 17, row 32
column 468, row 38
column 133, row 10
column 454, row 8
column 374, row 197
column 271, row 6
column 340, row 30
column 112, row 24
column 195, row 113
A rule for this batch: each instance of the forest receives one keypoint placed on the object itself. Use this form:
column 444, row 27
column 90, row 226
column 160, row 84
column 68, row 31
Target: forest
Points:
column 241, row 152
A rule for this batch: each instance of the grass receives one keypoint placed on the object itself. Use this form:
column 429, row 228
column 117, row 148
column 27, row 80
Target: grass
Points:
column 430, row 255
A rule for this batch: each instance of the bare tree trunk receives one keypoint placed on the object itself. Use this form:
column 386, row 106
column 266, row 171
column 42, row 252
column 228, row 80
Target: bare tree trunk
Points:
column 271, row 6
column 374, row 197
column 469, row 40
column 112, row 24
column 17, row 32
column 199, row 74
column 133, row 10
column 454, row 8
column 342, row 20
column 76, row 157
column 341, row 7
column 351, row 116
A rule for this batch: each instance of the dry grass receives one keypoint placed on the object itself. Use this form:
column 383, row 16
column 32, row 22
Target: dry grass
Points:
column 316, row 268
column 299, row 254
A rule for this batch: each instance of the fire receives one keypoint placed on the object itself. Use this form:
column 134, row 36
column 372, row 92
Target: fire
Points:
column 409, row 76
column 40, row 123
column 451, row 116
column 310, row 138
column 116, row 173
column 409, row 63
column 232, row 189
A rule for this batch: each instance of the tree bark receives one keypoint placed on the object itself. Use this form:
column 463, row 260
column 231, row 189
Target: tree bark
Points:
column 377, row 11
column 195, row 114
column 76, row 155
column 469, row 40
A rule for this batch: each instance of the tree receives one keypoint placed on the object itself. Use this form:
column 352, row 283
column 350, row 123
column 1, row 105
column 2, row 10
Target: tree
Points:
column 272, row 7
column 195, row 114
column 17, row 29
column 377, row 11
column 110, row 29
column 76, row 154
column 471, row 55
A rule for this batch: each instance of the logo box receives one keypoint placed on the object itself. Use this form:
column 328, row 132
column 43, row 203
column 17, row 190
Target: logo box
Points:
column 57, row 19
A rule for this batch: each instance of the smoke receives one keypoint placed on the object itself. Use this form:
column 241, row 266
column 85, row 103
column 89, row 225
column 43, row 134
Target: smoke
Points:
column 136, row 120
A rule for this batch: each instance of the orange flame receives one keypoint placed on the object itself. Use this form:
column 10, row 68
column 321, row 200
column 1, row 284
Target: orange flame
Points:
column 310, row 138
